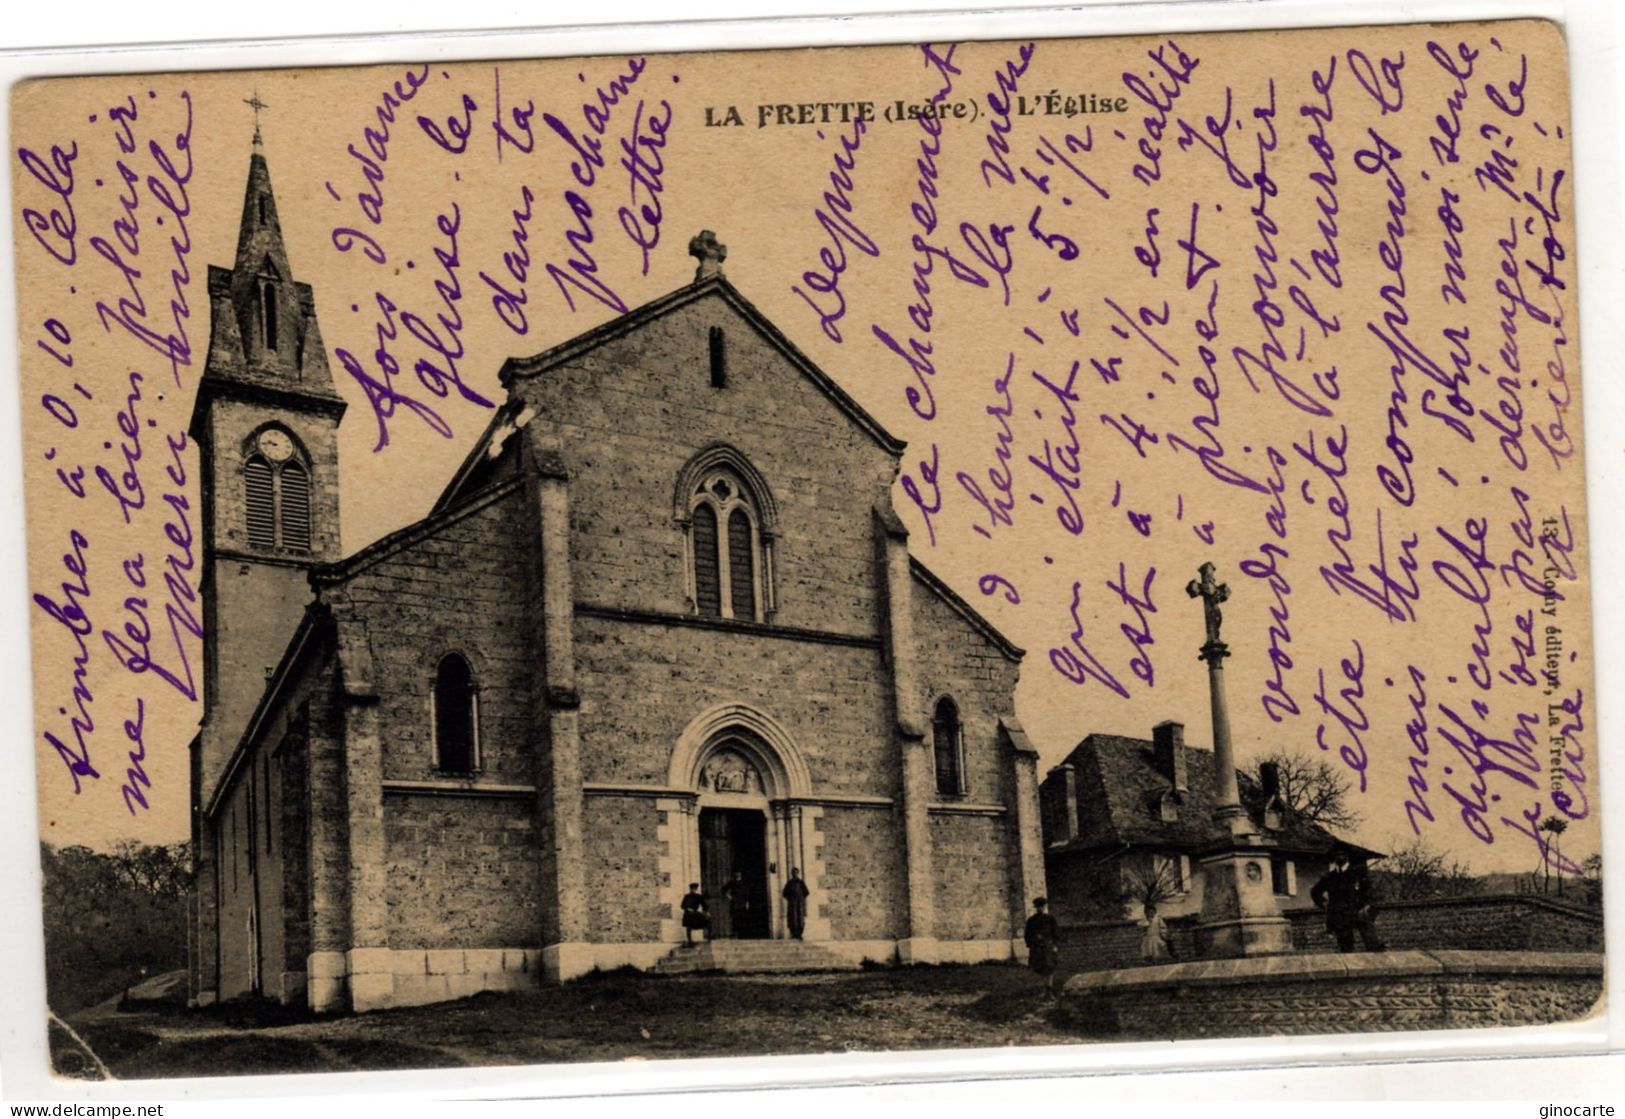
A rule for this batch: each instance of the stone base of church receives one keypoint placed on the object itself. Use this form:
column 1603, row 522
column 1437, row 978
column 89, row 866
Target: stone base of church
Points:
column 365, row 979
column 918, row 950
column 377, row 978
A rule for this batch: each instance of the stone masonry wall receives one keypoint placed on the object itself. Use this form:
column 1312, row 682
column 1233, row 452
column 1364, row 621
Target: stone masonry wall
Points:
column 622, row 871
column 954, row 659
column 1511, row 922
column 460, row 590
column 1336, row 994
column 462, row 872
column 864, row 878
column 973, row 893
column 632, row 412
column 643, row 683
column 1506, row 921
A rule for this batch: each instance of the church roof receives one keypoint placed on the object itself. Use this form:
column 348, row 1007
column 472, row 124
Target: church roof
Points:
column 523, row 368
column 1120, row 792
column 491, row 444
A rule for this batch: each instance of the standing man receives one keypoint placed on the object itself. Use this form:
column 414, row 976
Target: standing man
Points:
column 737, row 891
column 1043, row 944
column 795, row 903
column 1345, row 894
column 695, row 915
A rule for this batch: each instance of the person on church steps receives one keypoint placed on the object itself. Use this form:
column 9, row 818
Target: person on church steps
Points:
column 1155, row 947
column 1346, row 896
column 795, row 903
column 694, row 912
column 737, row 892
column 1043, row 943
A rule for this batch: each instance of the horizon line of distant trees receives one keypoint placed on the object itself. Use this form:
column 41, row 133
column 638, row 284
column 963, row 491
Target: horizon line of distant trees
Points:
column 112, row 918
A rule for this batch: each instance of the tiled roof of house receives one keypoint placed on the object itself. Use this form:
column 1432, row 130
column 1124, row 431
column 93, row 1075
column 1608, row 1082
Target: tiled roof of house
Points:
column 1120, row 794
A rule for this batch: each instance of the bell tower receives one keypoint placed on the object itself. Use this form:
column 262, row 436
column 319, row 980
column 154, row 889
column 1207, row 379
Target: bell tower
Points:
column 266, row 424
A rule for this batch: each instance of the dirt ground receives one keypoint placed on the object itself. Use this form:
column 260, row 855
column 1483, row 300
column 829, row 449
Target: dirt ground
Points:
column 598, row 1018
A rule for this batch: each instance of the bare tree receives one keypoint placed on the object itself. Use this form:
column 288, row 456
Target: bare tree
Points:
column 1416, row 871
column 1153, row 884
column 1554, row 826
column 1313, row 790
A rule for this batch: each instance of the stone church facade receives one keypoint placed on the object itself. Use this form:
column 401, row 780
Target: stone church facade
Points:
column 661, row 627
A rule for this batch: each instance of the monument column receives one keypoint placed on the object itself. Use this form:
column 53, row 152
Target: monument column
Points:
column 1240, row 916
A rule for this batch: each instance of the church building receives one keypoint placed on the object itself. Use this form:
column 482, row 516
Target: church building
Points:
column 662, row 627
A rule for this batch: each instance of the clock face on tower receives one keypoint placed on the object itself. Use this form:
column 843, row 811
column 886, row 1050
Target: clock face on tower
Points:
column 275, row 444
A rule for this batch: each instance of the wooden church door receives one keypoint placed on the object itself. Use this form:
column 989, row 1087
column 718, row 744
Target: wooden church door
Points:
column 733, row 871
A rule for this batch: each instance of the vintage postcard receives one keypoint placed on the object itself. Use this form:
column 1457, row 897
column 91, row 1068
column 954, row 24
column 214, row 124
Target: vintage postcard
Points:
column 948, row 544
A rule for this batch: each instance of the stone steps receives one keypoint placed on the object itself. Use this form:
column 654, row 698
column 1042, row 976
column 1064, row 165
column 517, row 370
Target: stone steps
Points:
column 750, row 956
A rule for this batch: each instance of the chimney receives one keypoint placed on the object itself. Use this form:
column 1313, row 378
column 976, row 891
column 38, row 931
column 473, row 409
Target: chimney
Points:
column 1269, row 777
column 1168, row 742
column 1058, row 804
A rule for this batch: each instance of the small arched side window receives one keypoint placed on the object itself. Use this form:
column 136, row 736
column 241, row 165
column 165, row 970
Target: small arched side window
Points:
column 456, row 716
column 946, row 742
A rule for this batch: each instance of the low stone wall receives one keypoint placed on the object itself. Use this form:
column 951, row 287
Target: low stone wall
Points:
column 1335, row 993
column 1512, row 922
column 1505, row 922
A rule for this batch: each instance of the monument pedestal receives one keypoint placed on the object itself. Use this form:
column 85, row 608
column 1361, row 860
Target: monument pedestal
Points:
column 1240, row 916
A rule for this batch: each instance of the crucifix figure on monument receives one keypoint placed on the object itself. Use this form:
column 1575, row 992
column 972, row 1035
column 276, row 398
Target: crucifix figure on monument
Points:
column 1227, row 810
column 1240, row 916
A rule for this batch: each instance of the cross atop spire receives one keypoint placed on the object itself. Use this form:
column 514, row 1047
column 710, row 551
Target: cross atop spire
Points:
column 256, row 104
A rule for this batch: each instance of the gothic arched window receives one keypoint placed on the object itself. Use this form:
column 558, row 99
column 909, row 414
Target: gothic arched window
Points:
column 725, row 548
column 456, row 716
column 946, row 742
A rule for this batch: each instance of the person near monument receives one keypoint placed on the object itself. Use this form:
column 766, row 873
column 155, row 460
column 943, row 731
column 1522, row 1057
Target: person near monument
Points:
column 795, row 903
column 737, row 891
column 1155, row 947
column 694, row 912
column 1345, row 893
column 1043, row 938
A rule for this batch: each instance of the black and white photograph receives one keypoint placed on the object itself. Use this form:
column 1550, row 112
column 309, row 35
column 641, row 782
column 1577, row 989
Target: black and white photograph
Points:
column 953, row 545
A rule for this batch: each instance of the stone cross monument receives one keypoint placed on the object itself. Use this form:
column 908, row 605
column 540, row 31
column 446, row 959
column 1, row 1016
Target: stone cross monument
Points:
column 1240, row 916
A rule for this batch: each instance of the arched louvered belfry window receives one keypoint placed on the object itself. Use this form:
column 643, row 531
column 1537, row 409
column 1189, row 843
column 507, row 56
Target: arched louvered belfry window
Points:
column 946, row 741
column 277, row 491
column 260, row 482
column 456, row 716
column 295, row 506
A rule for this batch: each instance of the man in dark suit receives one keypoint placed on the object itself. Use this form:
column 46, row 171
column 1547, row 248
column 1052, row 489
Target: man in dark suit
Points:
column 1345, row 894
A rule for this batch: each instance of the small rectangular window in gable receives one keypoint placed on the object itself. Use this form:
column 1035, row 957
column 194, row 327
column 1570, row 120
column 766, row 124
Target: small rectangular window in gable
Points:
column 719, row 359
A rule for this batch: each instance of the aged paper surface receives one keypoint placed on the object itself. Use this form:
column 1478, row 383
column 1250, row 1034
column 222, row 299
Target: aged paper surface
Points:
column 1298, row 305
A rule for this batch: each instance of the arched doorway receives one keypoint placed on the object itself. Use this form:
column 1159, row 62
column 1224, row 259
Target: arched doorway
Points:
column 745, row 822
column 733, row 826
